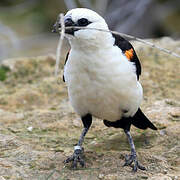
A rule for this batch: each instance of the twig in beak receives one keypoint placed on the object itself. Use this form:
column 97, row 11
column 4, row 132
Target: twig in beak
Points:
column 59, row 47
column 152, row 45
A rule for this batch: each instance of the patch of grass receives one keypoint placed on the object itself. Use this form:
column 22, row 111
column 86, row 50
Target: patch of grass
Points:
column 3, row 101
column 3, row 72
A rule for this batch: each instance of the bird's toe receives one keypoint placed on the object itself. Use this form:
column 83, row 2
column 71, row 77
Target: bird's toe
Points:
column 76, row 158
column 129, row 159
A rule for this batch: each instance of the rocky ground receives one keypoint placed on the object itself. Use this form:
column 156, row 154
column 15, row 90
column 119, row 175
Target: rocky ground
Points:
column 38, row 127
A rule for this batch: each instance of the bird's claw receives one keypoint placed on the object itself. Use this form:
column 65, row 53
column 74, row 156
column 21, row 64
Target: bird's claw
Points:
column 75, row 158
column 129, row 159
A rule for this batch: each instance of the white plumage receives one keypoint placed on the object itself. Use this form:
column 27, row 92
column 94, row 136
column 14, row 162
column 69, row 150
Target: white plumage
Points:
column 100, row 79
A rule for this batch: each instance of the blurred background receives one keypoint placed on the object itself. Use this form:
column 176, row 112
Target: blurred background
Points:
column 25, row 25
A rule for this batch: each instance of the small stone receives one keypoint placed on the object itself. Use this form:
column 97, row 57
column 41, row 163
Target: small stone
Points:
column 101, row 176
column 175, row 114
column 176, row 178
column 165, row 171
column 58, row 149
column 30, row 128
column 77, row 122
column 162, row 132
column 90, row 136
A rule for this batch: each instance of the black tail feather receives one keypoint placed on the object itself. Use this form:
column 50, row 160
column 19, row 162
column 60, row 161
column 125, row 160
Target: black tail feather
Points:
column 141, row 121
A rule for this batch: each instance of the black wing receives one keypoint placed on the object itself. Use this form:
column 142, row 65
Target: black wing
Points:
column 129, row 51
column 139, row 120
column 65, row 64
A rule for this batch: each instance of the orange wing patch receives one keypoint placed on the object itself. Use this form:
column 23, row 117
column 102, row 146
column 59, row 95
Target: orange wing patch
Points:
column 129, row 54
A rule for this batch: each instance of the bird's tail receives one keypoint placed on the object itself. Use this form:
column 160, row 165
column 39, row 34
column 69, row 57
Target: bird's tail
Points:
column 141, row 121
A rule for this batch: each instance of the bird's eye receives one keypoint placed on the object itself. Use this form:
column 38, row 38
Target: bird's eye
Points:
column 83, row 22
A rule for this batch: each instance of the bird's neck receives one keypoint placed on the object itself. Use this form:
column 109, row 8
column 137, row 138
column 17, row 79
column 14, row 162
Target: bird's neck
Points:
column 105, row 40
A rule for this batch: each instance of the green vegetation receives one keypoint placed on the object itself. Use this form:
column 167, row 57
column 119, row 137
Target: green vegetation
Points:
column 3, row 72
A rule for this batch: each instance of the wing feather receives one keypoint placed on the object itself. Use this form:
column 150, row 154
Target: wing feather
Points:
column 65, row 63
column 128, row 51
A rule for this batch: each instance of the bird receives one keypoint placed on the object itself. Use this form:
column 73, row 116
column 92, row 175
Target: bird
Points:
column 102, row 73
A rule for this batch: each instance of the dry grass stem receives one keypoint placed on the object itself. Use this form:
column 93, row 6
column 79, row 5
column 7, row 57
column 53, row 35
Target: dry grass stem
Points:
column 130, row 37
column 58, row 52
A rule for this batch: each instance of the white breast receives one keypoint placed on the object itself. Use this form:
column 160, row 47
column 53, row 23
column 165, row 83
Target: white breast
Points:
column 102, row 83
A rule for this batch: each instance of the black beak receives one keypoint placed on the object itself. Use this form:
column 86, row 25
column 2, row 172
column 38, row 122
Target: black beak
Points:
column 67, row 22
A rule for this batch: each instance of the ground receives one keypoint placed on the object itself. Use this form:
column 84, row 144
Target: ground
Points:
column 38, row 127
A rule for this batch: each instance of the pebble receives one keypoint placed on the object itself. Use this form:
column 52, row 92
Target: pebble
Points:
column 162, row 132
column 77, row 122
column 101, row 176
column 30, row 128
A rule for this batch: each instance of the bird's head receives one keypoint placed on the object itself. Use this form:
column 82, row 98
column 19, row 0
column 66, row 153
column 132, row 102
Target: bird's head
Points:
column 86, row 18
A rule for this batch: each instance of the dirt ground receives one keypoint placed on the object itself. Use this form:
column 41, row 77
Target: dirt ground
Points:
column 38, row 127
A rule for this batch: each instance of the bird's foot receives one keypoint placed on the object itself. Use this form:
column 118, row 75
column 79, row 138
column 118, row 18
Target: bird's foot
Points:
column 76, row 157
column 129, row 159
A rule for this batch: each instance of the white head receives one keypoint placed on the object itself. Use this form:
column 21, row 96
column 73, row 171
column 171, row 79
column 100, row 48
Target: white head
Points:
column 86, row 37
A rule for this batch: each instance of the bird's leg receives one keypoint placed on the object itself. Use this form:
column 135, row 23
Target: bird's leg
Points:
column 78, row 149
column 129, row 159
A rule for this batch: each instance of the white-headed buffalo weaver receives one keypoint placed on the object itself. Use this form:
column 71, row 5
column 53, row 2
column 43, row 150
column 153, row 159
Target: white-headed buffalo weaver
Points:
column 102, row 75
